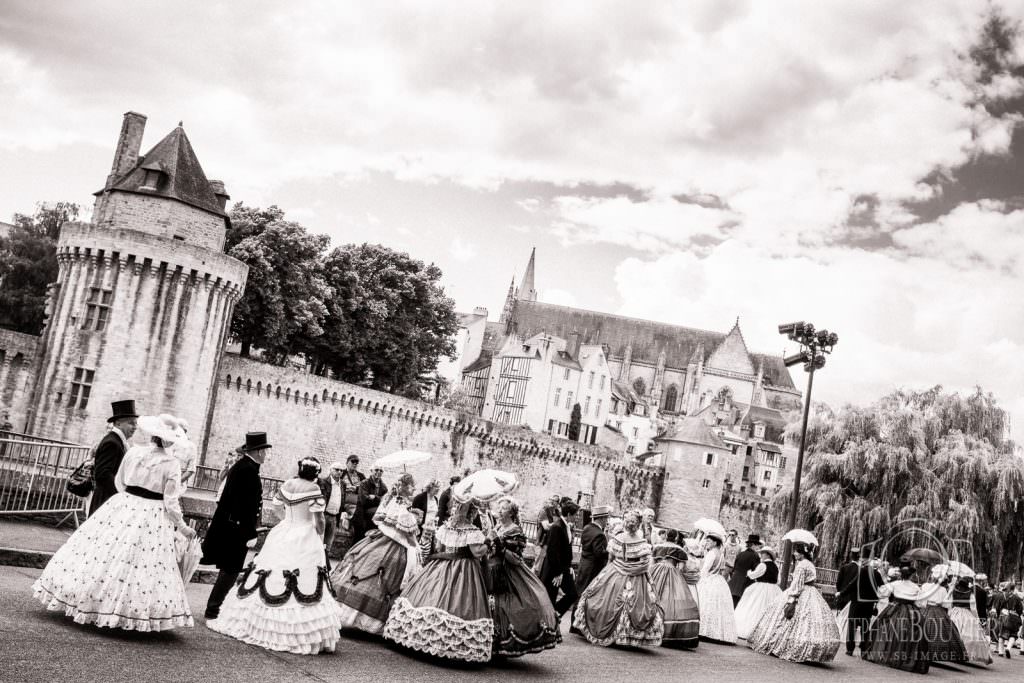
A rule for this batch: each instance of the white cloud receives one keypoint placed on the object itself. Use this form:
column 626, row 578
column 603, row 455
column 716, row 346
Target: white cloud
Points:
column 978, row 235
column 902, row 321
column 559, row 297
column 461, row 250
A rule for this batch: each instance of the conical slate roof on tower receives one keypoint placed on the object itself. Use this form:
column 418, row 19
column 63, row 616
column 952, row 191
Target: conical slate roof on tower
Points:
column 527, row 289
column 181, row 177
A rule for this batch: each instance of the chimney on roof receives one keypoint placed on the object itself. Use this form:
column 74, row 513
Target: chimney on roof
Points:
column 218, row 190
column 126, row 156
column 574, row 345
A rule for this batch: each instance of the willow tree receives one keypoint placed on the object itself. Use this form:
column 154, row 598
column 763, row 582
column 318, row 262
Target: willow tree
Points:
column 915, row 468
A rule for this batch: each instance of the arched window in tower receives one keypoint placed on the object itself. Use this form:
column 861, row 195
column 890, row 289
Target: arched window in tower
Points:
column 640, row 387
column 668, row 404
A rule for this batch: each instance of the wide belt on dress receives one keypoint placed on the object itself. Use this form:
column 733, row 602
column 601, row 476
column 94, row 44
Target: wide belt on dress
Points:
column 143, row 493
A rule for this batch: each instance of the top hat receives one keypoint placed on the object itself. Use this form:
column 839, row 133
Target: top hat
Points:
column 753, row 539
column 122, row 409
column 255, row 441
column 601, row 511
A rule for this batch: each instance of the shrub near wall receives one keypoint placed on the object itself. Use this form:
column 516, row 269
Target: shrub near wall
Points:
column 305, row 414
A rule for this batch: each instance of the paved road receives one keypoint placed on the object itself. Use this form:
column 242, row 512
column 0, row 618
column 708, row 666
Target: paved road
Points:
column 45, row 647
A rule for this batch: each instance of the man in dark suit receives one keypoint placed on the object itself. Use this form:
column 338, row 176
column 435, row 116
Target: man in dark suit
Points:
column 862, row 595
column 593, row 547
column 233, row 527
column 847, row 575
column 371, row 492
column 556, row 573
column 110, row 452
column 982, row 596
column 745, row 561
column 444, row 503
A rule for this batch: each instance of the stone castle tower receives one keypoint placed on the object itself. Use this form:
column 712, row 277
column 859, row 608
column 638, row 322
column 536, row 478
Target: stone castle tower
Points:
column 143, row 298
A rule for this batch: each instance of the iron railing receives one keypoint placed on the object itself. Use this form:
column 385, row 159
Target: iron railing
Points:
column 33, row 474
column 209, row 479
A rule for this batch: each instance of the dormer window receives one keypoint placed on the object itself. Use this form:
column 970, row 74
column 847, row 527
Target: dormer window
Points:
column 153, row 176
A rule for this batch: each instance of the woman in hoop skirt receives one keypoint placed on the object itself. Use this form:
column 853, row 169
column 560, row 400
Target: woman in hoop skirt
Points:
column 119, row 570
column 444, row 610
column 717, row 616
column 620, row 606
column 944, row 642
column 524, row 619
column 284, row 599
column 376, row 568
column 896, row 637
column 799, row 626
column 682, row 618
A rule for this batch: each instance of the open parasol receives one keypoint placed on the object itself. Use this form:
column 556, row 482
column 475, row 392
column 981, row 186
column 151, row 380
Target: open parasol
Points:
column 921, row 555
column 710, row 527
column 800, row 536
column 953, row 568
column 484, row 486
column 401, row 459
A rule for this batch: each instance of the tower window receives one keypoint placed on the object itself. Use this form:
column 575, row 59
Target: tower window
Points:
column 705, row 484
column 566, row 373
column 97, row 308
column 81, row 387
column 152, row 179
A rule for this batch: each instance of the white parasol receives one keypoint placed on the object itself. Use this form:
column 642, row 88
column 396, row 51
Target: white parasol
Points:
column 800, row 536
column 953, row 568
column 710, row 527
column 401, row 459
column 484, row 486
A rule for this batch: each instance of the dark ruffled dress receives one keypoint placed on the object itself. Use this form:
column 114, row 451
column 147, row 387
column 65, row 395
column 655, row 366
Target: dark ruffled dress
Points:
column 444, row 609
column 620, row 606
column 944, row 642
column 896, row 637
column 374, row 570
column 524, row 619
column 682, row 617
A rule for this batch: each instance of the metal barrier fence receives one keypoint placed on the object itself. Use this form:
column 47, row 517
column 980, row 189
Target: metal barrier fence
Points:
column 208, row 479
column 33, row 472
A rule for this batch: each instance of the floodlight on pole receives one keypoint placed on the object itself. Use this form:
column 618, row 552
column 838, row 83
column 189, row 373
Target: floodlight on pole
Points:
column 814, row 346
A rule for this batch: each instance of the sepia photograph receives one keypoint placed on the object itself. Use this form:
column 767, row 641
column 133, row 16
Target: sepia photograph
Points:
column 564, row 341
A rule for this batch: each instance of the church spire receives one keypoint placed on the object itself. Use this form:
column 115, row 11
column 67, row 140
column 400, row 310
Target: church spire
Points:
column 510, row 298
column 527, row 289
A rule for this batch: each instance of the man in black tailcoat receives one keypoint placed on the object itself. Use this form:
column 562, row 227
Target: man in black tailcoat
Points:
column 110, row 452
column 862, row 595
column 593, row 547
column 556, row 573
column 745, row 561
column 371, row 493
column 847, row 575
column 233, row 528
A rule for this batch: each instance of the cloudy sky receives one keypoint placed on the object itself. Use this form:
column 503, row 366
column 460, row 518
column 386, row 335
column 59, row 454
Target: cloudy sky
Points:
column 838, row 162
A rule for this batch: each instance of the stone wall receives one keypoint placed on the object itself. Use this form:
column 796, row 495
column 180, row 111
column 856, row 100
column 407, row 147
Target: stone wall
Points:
column 305, row 414
column 169, row 307
column 684, row 498
column 17, row 375
column 159, row 216
column 750, row 514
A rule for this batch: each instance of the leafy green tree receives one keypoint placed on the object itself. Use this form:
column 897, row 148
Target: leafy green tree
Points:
column 28, row 265
column 388, row 321
column 911, row 468
column 575, row 418
column 283, row 308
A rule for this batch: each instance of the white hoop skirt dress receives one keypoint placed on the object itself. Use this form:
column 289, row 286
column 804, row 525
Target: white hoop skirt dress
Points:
column 284, row 599
column 119, row 569
column 717, row 617
column 757, row 599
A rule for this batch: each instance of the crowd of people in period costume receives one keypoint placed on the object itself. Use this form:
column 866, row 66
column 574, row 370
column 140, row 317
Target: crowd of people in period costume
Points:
column 449, row 573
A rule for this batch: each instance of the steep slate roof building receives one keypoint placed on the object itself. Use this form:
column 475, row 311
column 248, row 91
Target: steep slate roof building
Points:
column 674, row 370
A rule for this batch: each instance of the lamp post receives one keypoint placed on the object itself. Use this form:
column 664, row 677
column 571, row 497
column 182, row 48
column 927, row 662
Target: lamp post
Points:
column 814, row 346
